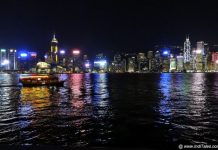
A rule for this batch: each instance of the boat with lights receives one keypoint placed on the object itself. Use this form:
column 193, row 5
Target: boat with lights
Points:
column 40, row 80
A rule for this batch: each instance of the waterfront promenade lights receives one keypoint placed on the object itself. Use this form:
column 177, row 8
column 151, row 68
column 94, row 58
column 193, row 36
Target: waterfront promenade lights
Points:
column 76, row 53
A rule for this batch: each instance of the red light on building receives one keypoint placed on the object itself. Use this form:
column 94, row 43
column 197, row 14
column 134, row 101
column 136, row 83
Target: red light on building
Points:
column 76, row 52
column 33, row 54
column 215, row 57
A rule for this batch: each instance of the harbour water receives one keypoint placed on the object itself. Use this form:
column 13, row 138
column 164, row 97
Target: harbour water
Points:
column 111, row 110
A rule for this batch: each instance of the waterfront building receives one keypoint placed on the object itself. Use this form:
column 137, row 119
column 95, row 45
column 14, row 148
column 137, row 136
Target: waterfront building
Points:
column 23, row 61
column 76, row 62
column 100, row 63
column 32, row 61
column 131, row 67
column 200, row 47
column 4, row 62
column 54, row 50
column 187, row 54
column 150, row 58
column 206, row 57
column 194, row 59
column 117, row 64
column 85, row 57
column 166, row 60
column 150, row 54
column 187, row 50
column 179, row 60
column 43, row 67
column 172, row 64
column 62, row 59
column 209, row 61
column 117, row 58
column 199, row 56
column 157, row 66
column 12, row 57
column 52, row 56
column 215, row 61
column 142, row 62
column 87, row 67
column 27, row 61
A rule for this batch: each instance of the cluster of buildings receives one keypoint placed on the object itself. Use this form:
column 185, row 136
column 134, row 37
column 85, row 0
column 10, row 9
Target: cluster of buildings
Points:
column 187, row 58
column 200, row 57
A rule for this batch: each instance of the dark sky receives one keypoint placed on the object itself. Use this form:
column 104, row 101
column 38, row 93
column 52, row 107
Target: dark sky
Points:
column 103, row 25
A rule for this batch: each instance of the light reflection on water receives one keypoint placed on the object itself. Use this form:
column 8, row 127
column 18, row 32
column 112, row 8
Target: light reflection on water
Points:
column 185, row 108
column 111, row 110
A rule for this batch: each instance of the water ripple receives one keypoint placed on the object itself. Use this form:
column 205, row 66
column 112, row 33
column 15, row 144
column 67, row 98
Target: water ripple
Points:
column 111, row 110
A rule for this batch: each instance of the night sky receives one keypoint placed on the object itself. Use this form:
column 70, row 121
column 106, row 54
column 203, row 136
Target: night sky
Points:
column 103, row 26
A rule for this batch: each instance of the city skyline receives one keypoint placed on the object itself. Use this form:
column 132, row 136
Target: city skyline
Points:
column 105, row 26
column 108, row 74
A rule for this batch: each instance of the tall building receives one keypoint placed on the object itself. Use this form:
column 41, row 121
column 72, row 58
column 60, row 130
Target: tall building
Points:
column 150, row 54
column 200, row 47
column 179, row 60
column 215, row 61
column 166, row 60
column 12, row 59
column 157, row 65
column 187, row 50
column 142, row 62
column 150, row 60
column 54, row 50
column 131, row 64
column 100, row 63
column 172, row 64
column 117, row 64
column 199, row 56
column 4, row 63
column 27, row 61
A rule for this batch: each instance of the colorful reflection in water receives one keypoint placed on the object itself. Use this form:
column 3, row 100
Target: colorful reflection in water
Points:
column 184, row 107
column 111, row 110
column 165, row 102
column 37, row 97
column 101, row 94
column 76, row 83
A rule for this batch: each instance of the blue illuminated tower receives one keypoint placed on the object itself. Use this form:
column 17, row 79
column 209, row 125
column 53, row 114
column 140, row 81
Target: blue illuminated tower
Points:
column 187, row 50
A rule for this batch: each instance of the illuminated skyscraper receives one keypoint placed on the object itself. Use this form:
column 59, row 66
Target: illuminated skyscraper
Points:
column 12, row 59
column 179, row 61
column 3, row 59
column 54, row 50
column 131, row 64
column 200, row 47
column 172, row 64
column 187, row 50
column 198, row 57
column 141, row 60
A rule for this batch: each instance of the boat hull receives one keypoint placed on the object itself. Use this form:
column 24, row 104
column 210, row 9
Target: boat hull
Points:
column 60, row 83
column 41, row 81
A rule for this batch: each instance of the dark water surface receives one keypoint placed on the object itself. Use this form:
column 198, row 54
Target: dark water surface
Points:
column 111, row 110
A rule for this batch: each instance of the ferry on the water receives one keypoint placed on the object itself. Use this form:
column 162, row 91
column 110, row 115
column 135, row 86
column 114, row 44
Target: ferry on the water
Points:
column 40, row 80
